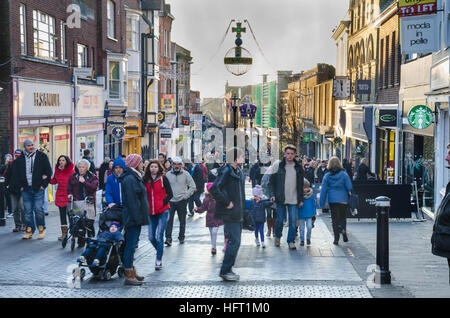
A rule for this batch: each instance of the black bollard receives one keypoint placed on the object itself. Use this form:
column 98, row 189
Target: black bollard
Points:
column 383, row 204
column 2, row 202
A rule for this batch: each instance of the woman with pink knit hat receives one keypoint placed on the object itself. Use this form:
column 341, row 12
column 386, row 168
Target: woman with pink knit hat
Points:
column 209, row 205
column 135, row 213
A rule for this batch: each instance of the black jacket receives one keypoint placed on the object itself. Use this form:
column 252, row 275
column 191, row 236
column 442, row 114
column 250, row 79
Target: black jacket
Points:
column 198, row 179
column 255, row 173
column 277, row 179
column 321, row 174
column 134, row 199
column 362, row 172
column 310, row 175
column 101, row 175
column 440, row 239
column 41, row 167
column 229, row 186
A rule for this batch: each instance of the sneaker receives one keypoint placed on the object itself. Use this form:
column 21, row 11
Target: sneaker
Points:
column 277, row 242
column 230, row 277
column 308, row 242
column 9, row 215
column 257, row 242
column 168, row 243
column 81, row 259
column 302, row 243
column 158, row 265
column 263, row 245
column 191, row 213
column 96, row 263
column 292, row 246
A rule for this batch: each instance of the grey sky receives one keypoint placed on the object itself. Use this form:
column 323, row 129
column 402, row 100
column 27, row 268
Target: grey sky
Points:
column 293, row 34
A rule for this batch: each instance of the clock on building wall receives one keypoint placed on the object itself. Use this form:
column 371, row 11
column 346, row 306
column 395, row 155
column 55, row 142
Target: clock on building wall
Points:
column 342, row 87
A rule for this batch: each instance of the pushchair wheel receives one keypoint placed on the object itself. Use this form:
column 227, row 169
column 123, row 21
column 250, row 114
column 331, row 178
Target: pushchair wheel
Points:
column 82, row 273
column 72, row 244
column 121, row 272
column 107, row 275
column 64, row 242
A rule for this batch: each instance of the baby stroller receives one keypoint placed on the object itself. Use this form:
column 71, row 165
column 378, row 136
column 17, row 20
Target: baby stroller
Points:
column 112, row 260
column 81, row 221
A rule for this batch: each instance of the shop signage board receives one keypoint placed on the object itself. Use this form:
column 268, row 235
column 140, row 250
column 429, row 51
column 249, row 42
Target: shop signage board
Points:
column 167, row 103
column 306, row 138
column 185, row 121
column 408, row 8
column 400, row 195
column 387, row 118
column 165, row 133
column 363, row 87
column 90, row 102
column 161, row 116
column 420, row 117
column 420, row 34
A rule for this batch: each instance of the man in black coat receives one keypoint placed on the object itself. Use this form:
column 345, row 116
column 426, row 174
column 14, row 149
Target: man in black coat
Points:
column 286, row 190
column 33, row 172
column 229, row 192
column 196, row 174
column 321, row 171
column 255, row 174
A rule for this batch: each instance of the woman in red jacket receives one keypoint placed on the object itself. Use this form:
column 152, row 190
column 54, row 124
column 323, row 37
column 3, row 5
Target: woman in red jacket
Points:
column 159, row 194
column 63, row 170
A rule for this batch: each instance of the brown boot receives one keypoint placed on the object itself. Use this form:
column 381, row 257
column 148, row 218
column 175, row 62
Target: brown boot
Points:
column 63, row 233
column 139, row 278
column 130, row 278
column 28, row 235
column 41, row 234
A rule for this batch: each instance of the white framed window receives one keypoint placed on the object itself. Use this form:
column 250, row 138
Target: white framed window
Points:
column 44, row 35
column 133, row 94
column 114, row 80
column 110, row 12
column 23, row 29
column 63, row 42
column 132, row 34
column 82, row 55
column 117, row 80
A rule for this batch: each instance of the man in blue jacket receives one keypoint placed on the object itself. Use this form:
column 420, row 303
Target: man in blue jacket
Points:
column 113, row 194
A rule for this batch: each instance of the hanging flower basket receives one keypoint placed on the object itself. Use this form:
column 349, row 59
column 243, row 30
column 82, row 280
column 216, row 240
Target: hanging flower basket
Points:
column 337, row 142
column 360, row 151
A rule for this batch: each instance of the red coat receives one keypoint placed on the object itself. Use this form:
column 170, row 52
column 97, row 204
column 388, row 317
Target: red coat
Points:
column 159, row 194
column 61, row 178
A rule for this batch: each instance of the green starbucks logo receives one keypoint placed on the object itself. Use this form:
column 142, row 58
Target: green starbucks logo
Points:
column 420, row 117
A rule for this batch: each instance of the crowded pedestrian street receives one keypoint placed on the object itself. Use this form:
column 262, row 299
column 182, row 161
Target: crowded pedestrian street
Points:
column 321, row 270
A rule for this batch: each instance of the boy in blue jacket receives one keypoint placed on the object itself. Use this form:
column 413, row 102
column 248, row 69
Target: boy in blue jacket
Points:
column 113, row 235
column 258, row 213
column 113, row 193
column 306, row 213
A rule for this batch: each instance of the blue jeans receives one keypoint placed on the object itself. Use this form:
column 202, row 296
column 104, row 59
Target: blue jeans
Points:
column 131, row 238
column 33, row 204
column 46, row 200
column 233, row 231
column 308, row 223
column 292, row 215
column 156, row 230
column 259, row 229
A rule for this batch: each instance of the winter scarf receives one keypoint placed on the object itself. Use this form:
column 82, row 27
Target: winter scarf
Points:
column 308, row 194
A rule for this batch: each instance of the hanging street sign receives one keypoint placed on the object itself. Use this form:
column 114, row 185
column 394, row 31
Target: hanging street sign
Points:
column 161, row 116
column 420, row 117
column 306, row 138
column 420, row 34
column 363, row 87
column 118, row 132
column 247, row 110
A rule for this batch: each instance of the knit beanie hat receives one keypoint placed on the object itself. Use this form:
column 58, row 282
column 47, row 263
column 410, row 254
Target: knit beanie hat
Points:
column 117, row 224
column 257, row 191
column 133, row 160
column 208, row 186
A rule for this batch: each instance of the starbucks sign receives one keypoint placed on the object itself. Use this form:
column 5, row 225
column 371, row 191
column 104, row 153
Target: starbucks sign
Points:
column 420, row 117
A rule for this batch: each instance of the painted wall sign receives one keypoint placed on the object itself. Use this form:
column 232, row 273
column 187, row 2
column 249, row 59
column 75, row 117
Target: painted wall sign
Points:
column 420, row 117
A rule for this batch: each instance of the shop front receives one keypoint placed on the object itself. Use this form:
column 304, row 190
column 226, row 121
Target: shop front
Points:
column 90, row 123
column 438, row 99
column 387, row 141
column 131, row 143
column 43, row 113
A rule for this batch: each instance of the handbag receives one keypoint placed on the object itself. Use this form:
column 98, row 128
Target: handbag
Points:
column 353, row 201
